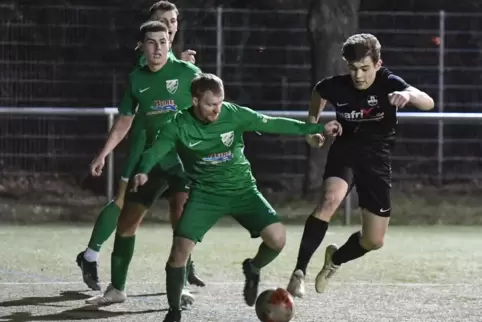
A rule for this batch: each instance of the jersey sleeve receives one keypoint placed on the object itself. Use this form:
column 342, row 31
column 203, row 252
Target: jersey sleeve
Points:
column 128, row 104
column 395, row 83
column 324, row 88
column 249, row 120
column 137, row 142
column 164, row 143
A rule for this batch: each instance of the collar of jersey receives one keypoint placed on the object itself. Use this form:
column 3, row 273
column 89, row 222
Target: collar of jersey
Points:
column 168, row 62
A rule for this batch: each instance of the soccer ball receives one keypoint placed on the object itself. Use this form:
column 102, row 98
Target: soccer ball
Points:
column 275, row 306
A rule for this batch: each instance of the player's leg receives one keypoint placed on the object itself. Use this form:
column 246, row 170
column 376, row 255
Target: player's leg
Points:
column 373, row 181
column 255, row 214
column 135, row 207
column 201, row 212
column 104, row 226
column 337, row 183
column 179, row 187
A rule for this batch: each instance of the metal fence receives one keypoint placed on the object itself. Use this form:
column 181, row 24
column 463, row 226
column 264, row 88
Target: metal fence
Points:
column 264, row 60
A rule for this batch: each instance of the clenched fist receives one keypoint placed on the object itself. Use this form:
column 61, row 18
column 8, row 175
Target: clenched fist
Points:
column 399, row 99
column 333, row 128
column 315, row 140
column 96, row 166
column 189, row 56
column 140, row 179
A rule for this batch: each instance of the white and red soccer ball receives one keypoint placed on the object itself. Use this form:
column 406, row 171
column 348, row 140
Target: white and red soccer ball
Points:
column 275, row 306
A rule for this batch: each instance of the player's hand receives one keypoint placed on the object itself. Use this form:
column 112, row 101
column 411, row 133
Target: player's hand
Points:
column 315, row 140
column 140, row 179
column 97, row 165
column 399, row 99
column 333, row 128
column 189, row 56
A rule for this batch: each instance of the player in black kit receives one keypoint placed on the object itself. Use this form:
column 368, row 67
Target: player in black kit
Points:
column 366, row 102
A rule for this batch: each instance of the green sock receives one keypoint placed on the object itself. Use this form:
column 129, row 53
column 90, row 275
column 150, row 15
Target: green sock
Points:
column 120, row 260
column 104, row 225
column 175, row 277
column 264, row 256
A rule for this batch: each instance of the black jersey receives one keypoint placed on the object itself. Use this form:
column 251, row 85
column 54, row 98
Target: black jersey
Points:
column 364, row 114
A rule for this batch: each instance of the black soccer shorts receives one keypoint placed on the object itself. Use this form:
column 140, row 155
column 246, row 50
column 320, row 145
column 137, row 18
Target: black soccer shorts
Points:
column 366, row 166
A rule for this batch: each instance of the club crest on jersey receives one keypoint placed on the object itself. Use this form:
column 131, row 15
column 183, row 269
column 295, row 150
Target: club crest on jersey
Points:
column 172, row 85
column 227, row 138
column 372, row 100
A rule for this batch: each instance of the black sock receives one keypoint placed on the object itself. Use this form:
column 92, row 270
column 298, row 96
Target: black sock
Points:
column 349, row 251
column 313, row 234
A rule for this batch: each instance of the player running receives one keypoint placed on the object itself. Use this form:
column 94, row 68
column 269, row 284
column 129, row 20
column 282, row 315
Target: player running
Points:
column 366, row 102
column 209, row 140
column 106, row 222
column 154, row 93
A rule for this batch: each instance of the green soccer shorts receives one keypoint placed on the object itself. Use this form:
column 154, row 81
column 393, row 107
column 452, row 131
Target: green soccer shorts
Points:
column 203, row 210
column 160, row 179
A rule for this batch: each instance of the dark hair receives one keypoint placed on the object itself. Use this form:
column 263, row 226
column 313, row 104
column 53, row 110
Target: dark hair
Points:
column 151, row 26
column 206, row 82
column 360, row 46
column 163, row 6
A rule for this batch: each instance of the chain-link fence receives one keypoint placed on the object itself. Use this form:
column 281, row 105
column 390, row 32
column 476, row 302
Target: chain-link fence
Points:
column 62, row 56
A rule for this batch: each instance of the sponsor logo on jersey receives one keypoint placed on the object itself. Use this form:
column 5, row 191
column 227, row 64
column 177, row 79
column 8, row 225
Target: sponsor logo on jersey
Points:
column 227, row 138
column 163, row 106
column 216, row 158
column 363, row 115
column 370, row 113
column 172, row 85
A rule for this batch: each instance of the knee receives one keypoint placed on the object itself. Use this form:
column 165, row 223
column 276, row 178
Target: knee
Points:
column 372, row 242
column 330, row 201
column 278, row 242
column 275, row 238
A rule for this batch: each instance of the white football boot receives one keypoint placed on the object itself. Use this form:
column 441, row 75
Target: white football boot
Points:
column 296, row 286
column 110, row 296
column 329, row 269
column 187, row 298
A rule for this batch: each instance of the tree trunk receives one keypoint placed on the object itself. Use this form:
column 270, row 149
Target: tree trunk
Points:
column 329, row 24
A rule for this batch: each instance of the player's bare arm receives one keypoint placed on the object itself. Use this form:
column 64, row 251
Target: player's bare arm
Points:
column 412, row 96
column 317, row 104
column 116, row 135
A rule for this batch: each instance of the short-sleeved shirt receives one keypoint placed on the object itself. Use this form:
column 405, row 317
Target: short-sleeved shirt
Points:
column 156, row 96
column 364, row 114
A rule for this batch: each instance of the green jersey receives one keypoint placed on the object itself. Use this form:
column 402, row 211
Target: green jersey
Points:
column 212, row 153
column 154, row 97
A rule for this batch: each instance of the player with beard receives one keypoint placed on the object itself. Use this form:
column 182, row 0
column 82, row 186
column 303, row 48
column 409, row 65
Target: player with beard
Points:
column 366, row 102
column 209, row 140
